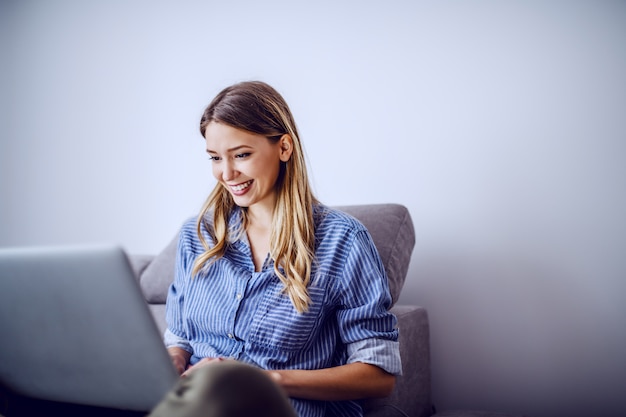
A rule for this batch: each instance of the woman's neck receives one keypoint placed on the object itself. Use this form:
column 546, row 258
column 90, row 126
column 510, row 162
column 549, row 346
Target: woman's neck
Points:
column 260, row 217
column 259, row 231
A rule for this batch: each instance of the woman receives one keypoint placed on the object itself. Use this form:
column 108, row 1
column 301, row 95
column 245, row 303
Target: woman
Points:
column 268, row 276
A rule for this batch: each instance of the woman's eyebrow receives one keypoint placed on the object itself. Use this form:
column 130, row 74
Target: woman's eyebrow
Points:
column 234, row 149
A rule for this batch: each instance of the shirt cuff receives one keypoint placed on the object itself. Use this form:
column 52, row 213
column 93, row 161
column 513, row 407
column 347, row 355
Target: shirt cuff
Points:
column 379, row 352
column 172, row 340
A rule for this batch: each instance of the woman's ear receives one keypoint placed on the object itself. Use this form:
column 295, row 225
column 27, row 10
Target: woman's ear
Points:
column 286, row 147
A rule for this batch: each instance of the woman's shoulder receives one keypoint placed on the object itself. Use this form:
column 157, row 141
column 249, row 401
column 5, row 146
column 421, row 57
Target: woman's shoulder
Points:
column 339, row 236
column 188, row 236
column 204, row 224
column 189, row 227
column 332, row 220
column 189, row 223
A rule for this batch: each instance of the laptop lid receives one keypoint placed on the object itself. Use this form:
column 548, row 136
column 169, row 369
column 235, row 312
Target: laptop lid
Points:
column 74, row 327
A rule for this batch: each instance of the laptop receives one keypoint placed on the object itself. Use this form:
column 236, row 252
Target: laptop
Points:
column 75, row 328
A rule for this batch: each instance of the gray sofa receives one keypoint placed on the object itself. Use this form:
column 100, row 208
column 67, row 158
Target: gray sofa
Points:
column 391, row 228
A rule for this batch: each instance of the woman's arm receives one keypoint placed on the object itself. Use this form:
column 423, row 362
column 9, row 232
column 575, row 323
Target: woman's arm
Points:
column 346, row 382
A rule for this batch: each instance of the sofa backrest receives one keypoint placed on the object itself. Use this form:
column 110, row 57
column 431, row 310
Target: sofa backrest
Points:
column 390, row 226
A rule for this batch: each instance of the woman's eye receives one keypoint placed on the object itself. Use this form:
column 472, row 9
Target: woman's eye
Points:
column 242, row 155
column 214, row 158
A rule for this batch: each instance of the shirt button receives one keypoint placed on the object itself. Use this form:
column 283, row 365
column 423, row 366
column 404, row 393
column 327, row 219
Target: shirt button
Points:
column 239, row 296
column 230, row 335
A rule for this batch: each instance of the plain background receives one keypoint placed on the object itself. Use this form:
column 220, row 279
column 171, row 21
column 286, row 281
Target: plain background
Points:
column 501, row 125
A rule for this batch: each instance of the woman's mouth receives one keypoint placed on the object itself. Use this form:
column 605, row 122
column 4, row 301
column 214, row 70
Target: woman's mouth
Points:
column 240, row 188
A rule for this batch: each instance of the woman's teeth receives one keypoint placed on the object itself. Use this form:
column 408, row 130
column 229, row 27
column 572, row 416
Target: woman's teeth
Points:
column 241, row 187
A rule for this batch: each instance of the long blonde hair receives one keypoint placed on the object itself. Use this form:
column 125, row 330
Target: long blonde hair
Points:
column 256, row 107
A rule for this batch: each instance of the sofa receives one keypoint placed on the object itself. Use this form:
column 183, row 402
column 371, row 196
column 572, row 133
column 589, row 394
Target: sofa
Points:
column 391, row 228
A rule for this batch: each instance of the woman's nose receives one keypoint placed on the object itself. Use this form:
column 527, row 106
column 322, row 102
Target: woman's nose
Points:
column 228, row 171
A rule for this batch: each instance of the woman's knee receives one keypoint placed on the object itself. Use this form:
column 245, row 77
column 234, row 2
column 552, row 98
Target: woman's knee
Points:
column 225, row 389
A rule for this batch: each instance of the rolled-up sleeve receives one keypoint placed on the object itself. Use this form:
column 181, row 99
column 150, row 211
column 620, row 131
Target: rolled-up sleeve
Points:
column 379, row 352
column 366, row 326
column 175, row 334
column 172, row 340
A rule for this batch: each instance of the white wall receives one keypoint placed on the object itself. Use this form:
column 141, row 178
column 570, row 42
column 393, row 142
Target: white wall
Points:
column 500, row 125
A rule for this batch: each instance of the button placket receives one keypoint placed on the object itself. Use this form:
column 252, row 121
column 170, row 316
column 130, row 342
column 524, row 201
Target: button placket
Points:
column 238, row 298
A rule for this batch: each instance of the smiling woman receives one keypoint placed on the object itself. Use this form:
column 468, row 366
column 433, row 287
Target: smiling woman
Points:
column 268, row 277
column 246, row 163
column 239, row 116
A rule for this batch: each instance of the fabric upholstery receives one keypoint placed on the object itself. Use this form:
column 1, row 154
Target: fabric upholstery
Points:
column 412, row 392
column 392, row 230
column 159, row 274
column 389, row 225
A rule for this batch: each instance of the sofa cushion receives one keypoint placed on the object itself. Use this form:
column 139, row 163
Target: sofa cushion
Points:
column 157, row 277
column 390, row 226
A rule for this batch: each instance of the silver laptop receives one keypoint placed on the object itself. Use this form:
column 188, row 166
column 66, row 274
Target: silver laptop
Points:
column 74, row 327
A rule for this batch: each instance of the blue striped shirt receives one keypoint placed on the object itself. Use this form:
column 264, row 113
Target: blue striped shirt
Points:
column 230, row 310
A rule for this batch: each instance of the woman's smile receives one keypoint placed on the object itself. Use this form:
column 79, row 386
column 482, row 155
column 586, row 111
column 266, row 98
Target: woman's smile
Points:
column 246, row 163
column 241, row 189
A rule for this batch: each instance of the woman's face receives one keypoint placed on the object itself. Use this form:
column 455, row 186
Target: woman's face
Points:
column 246, row 163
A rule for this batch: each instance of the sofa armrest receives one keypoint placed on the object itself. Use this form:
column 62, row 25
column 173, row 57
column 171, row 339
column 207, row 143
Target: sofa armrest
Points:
column 158, row 314
column 139, row 263
column 411, row 395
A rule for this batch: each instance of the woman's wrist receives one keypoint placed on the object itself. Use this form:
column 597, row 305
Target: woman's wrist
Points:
column 179, row 363
column 179, row 358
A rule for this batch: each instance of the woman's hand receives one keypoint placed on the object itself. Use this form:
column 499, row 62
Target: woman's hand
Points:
column 201, row 363
column 180, row 359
